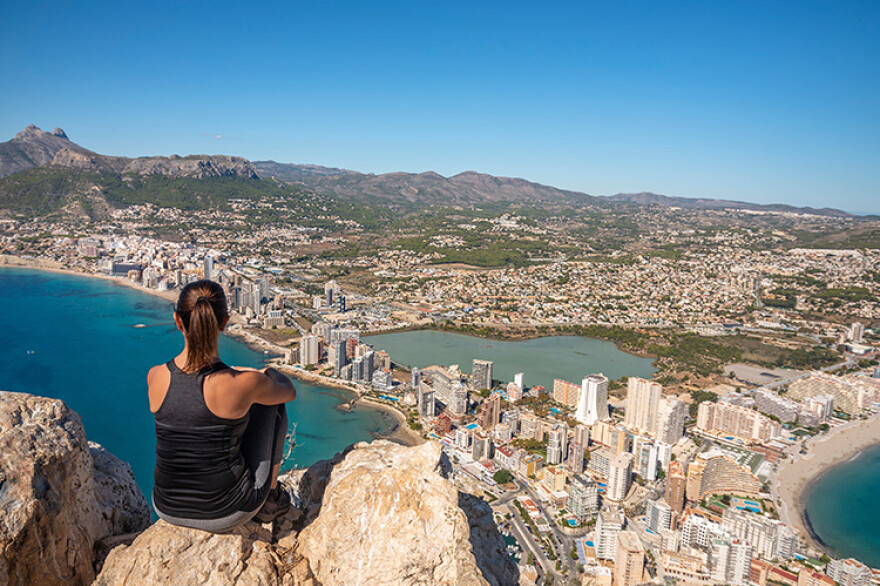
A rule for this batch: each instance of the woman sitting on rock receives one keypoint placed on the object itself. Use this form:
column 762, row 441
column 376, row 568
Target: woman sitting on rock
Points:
column 219, row 430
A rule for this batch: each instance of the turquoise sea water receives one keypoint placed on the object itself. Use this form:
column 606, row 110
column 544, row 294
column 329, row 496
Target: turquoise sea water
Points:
column 541, row 360
column 74, row 338
column 843, row 507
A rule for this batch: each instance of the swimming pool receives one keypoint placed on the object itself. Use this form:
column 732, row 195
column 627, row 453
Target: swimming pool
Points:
column 571, row 522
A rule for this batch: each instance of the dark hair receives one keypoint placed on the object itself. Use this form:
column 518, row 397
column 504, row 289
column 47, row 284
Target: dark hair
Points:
column 202, row 308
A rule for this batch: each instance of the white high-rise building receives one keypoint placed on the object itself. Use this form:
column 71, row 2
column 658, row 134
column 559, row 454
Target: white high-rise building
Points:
column 583, row 497
column 620, row 476
column 209, row 267
column 642, row 404
column 582, row 435
column 849, row 572
column 646, row 461
column 426, row 404
column 593, row 402
column 697, row 531
column 730, row 561
column 462, row 438
column 856, row 333
column 770, row 539
column 481, row 374
column 658, row 515
column 557, row 445
column 519, row 380
column 670, row 421
column 458, row 400
column 309, row 347
column 608, row 525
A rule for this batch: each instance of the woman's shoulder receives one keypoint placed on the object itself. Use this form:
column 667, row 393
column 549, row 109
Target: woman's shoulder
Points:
column 157, row 372
column 243, row 378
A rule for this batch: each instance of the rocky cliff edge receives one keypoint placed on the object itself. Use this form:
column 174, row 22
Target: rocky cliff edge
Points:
column 376, row 514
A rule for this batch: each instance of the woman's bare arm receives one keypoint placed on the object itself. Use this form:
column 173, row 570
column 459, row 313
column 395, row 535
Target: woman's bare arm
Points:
column 269, row 387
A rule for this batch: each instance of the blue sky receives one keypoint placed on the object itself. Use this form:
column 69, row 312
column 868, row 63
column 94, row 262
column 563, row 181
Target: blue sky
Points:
column 759, row 101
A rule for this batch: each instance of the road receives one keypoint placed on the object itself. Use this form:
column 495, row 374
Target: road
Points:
column 524, row 535
column 564, row 542
column 527, row 541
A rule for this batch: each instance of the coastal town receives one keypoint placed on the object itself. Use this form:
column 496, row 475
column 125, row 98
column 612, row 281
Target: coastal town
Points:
column 690, row 477
column 440, row 294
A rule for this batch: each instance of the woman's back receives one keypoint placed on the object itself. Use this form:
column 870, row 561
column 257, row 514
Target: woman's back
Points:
column 219, row 431
column 200, row 471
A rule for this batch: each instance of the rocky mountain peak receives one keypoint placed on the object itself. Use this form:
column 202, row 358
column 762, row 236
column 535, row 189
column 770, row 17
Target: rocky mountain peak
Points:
column 31, row 132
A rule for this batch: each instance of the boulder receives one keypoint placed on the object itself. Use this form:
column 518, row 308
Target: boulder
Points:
column 165, row 554
column 53, row 510
column 388, row 516
column 376, row 513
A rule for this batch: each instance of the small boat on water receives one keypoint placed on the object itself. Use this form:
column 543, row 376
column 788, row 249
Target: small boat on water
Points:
column 140, row 325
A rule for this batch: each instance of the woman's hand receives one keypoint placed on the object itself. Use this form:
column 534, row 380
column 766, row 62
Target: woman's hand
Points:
column 277, row 376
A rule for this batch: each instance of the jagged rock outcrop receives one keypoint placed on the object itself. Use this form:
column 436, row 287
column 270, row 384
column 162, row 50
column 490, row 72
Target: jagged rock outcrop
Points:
column 389, row 511
column 86, row 161
column 33, row 147
column 58, row 496
column 198, row 166
column 376, row 514
column 195, row 166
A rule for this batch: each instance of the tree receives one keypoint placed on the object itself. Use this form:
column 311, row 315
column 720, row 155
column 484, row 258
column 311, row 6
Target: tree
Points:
column 502, row 477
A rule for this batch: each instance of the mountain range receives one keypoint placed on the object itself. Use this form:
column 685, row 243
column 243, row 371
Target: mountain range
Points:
column 34, row 148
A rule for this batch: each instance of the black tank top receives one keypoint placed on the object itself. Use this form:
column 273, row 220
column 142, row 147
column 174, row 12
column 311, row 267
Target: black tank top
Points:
column 200, row 471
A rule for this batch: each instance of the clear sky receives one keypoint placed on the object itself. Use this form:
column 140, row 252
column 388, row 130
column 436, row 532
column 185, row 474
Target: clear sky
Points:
column 760, row 101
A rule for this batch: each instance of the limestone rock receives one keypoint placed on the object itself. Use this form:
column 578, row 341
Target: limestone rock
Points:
column 389, row 517
column 52, row 511
column 33, row 147
column 121, row 503
column 250, row 554
column 198, row 166
column 165, row 554
column 374, row 514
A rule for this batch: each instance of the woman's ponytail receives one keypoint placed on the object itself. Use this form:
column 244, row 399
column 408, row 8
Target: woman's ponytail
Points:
column 202, row 309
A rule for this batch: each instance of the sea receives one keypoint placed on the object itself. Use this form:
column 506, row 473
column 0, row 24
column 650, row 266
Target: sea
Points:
column 843, row 508
column 74, row 338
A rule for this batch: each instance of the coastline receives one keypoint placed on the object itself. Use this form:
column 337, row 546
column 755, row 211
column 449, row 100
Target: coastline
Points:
column 10, row 261
column 400, row 433
column 795, row 477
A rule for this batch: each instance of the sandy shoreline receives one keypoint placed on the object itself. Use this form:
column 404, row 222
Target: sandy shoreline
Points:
column 55, row 267
column 795, row 477
column 401, row 432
